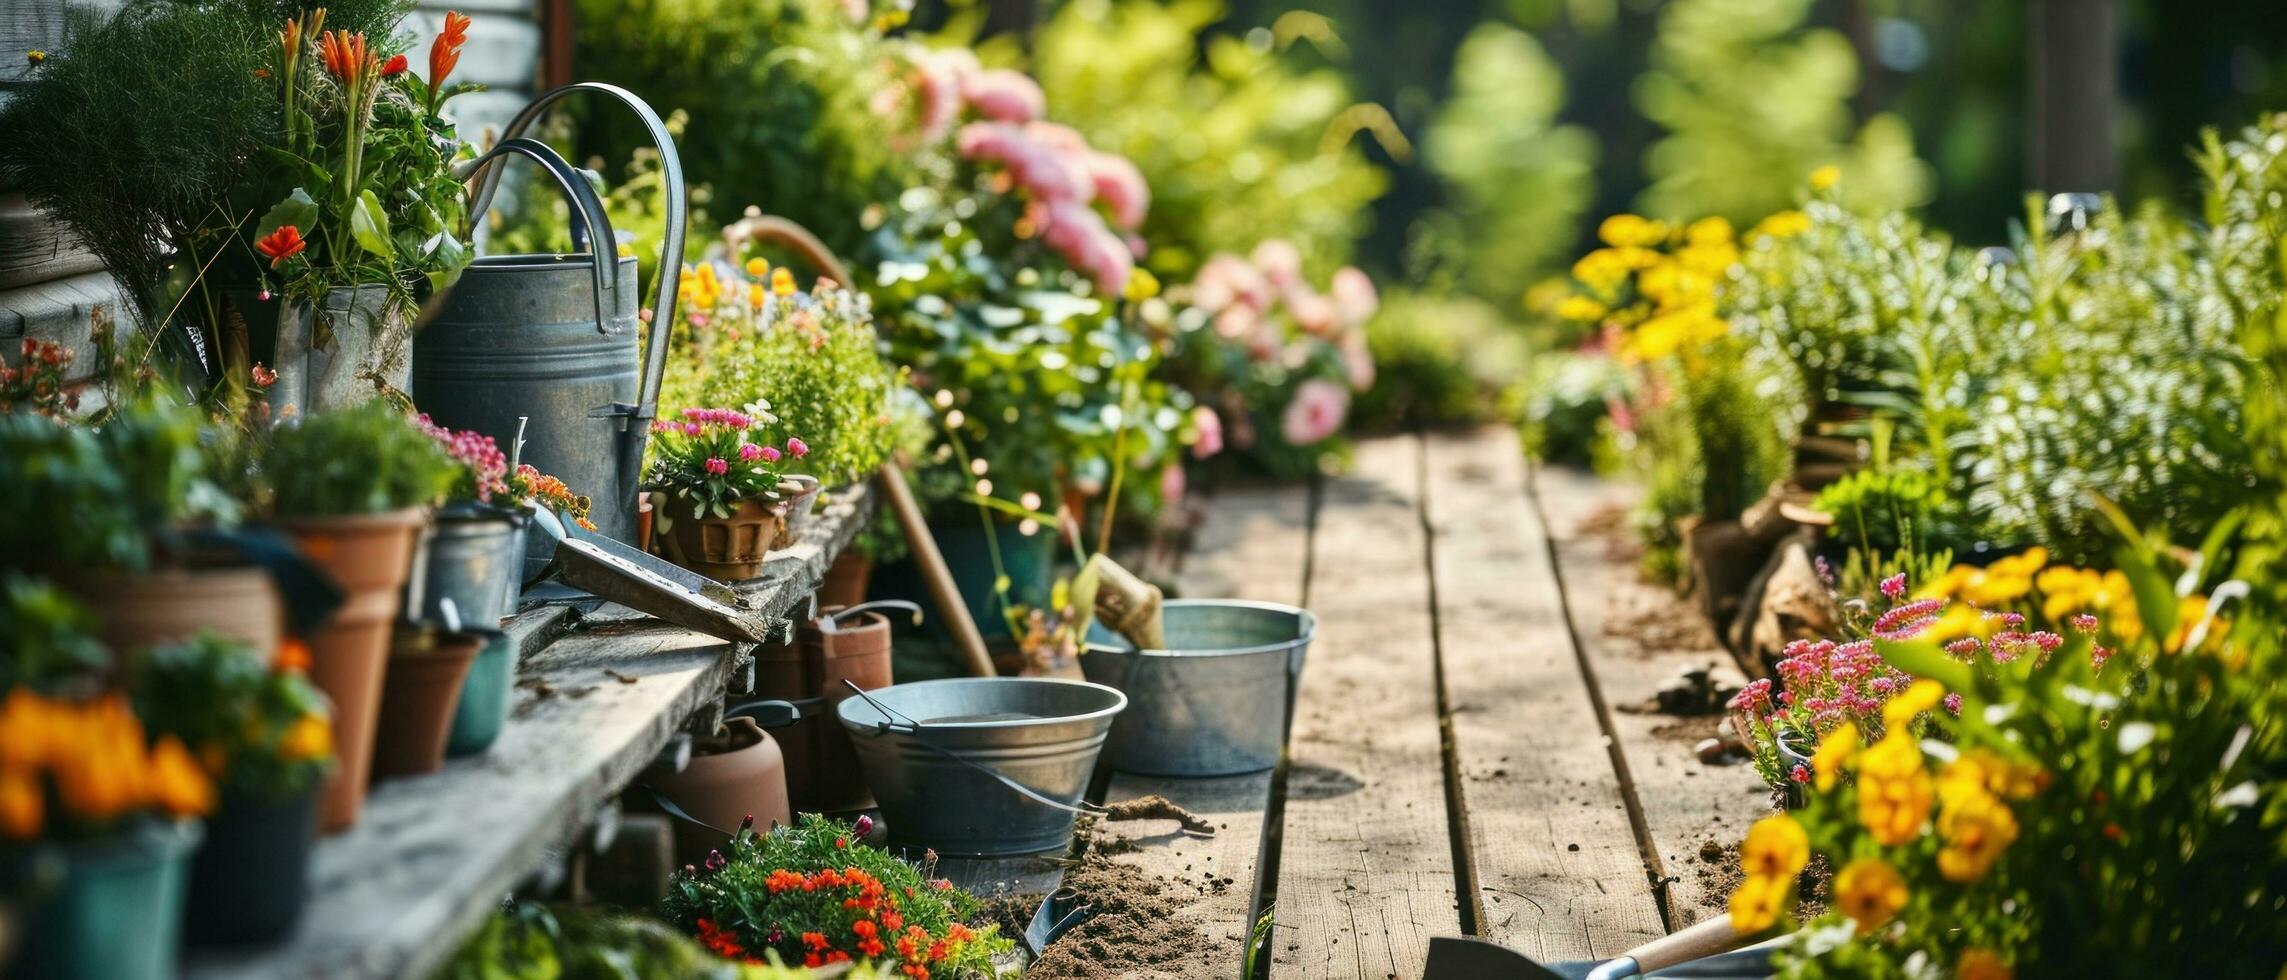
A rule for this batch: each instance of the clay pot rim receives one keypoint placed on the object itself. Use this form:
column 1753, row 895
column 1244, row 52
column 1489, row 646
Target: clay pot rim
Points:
column 734, row 734
column 387, row 520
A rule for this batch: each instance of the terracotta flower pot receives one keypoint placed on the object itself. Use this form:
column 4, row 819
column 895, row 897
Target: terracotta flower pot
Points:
column 821, row 765
column 423, row 688
column 845, row 581
column 731, row 776
column 728, row 549
column 138, row 610
column 368, row 556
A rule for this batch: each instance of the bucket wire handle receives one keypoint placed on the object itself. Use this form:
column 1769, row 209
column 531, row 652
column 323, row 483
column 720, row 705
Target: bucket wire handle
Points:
column 833, row 622
column 585, row 204
column 913, row 729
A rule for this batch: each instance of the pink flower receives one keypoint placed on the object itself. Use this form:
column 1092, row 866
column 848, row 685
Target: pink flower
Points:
column 2084, row 623
column 1078, row 234
column 1799, row 774
column 1906, row 621
column 717, row 466
column 1121, row 187
column 1236, row 321
column 864, row 827
column 750, row 452
column 1953, row 704
column 797, row 448
column 1280, row 262
column 1355, row 300
column 1894, row 586
column 1004, row 94
column 1962, row 649
column 769, row 454
column 1316, row 413
column 1209, row 428
column 1313, row 313
column 691, row 428
column 1357, row 360
column 2097, row 656
column 1172, row 484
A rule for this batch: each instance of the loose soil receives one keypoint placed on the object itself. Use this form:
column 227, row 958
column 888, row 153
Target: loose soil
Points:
column 1137, row 929
column 1719, row 874
column 1157, row 807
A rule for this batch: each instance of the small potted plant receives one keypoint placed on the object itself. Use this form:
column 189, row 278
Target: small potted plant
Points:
column 266, row 742
column 722, row 494
column 353, row 489
column 106, row 510
column 97, row 818
column 817, row 894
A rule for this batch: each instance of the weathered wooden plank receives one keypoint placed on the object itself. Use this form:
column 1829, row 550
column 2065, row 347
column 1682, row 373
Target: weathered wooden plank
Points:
column 1685, row 803
column 34, row 249
column 433, row 855
column 1558, row 871
column 1366, row 873
column 60, row 311
column 1254, row 544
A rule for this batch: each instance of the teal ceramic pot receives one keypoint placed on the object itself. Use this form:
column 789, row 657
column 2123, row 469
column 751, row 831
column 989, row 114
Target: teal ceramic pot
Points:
column 1030, row 561
column 117, row 913
column 485, row 698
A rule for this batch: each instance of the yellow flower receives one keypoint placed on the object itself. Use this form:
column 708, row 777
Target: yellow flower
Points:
column 2189, row 611
column 782, row 281
column 1631, row 230
column 1920, row 696
column 1976, row 828
column 1982, row 964
column 1759, row 901
column 1870, row 892
column 1894, row 791
column 1581, row 308
column 1708, row 231
column 757, row 268
column 1142, row 285
column 1948, row 585
column 1601, row 270
column 311, row 738
column 2022, row 564
column 1776, row 847
column 1824, row 178
column 1782, row 224
column 1984, row 771
column 179, row 784
column 22, row 804
column 1834, row 752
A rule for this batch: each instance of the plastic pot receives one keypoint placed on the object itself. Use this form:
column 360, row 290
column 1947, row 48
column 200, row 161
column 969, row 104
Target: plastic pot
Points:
column 427, row 670
column 368, row 556
column 250, row 879
column 485, row 698
column 726, row 549
column 117, row 913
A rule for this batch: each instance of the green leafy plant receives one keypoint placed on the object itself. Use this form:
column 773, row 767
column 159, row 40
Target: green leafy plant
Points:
column 562, row 942
column 260, row 730
column 1886, row 511
column 1438, row 360
column 110, row 496
column 816, row 893
column 364, row 460
column 49, row 636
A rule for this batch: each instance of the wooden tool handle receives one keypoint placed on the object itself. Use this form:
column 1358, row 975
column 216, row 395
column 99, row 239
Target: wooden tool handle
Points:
column 942, row 591
column 1706, row 938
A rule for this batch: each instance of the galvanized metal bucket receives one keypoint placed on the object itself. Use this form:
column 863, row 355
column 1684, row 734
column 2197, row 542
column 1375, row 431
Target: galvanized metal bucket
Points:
column 981, row 766
column 557, row 338
column 1217, row 704
column 473, row 557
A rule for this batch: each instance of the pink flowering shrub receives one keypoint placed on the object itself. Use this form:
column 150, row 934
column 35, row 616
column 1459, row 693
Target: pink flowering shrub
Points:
column 710, row 460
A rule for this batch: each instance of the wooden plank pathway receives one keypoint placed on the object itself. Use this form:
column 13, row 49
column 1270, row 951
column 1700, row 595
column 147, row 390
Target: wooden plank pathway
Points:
column 1465, row 758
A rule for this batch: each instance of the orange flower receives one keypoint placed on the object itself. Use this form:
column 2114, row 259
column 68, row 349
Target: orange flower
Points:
column 178, row 783
column 22, row 805
column 344, row 53
column 445, row 51
column 395, row 66
column 283, row 244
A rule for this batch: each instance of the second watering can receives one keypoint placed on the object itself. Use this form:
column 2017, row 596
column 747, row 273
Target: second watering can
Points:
column 557, row 339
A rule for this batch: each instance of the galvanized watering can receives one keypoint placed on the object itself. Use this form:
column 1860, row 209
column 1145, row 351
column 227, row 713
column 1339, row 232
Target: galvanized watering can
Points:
column 557, row 338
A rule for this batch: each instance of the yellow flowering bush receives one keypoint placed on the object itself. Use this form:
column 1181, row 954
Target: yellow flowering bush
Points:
column 2068, row 820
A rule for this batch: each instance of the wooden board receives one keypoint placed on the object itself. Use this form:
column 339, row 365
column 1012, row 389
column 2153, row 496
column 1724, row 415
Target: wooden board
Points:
column 34, row 249
column 1557, row 867
column 1685, row 803
column 1366, row 872
column 1254, row 544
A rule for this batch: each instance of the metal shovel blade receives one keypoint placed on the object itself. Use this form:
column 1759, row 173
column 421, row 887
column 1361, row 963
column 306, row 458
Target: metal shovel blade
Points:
column 1470, row 958
column 614, row 571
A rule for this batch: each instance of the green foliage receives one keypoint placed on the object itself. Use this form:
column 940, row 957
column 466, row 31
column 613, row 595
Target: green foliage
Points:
column 263, row 727
column 106, row 497
column 1238, row 138
column 816, row 364
column 365, row 460
column 1886, row 511
column 1739, row 444
column 815, row 891
column 1519, row 181
column 1437, row 361
column 1564, row 397
column 779, row 97
column 541, row 942
column 1752, row 102
column 49, row 638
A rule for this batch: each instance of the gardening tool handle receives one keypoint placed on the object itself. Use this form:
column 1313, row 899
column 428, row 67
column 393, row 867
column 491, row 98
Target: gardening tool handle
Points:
column 670, row 250
column 1707, row 938
column 757, row 226
column 583, row 199
column 942, row 591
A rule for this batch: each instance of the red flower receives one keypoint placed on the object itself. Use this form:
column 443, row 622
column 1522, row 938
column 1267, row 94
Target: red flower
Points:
column 344, row 53
column 445, row 51
column 280, row 245
column 264, row 377
column 394, row 66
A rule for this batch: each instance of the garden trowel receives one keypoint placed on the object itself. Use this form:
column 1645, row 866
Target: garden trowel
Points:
column 1707, row 951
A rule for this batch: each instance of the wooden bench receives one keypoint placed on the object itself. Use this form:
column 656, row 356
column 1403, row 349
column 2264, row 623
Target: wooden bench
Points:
column 1458, row 763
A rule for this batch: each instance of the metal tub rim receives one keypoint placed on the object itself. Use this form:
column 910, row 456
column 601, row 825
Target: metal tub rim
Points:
column 1119, row 704
column 1306, row 622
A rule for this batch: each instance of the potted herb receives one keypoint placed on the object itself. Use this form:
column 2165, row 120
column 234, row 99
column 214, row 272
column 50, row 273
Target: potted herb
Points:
column 815, row 893
column 94, row 812
column 352, row 489
column 724, row 494
column 265, row 740
column 108, row 510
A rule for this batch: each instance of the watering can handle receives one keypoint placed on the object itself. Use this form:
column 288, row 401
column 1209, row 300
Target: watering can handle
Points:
column 576, row 189
column 670, row 250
